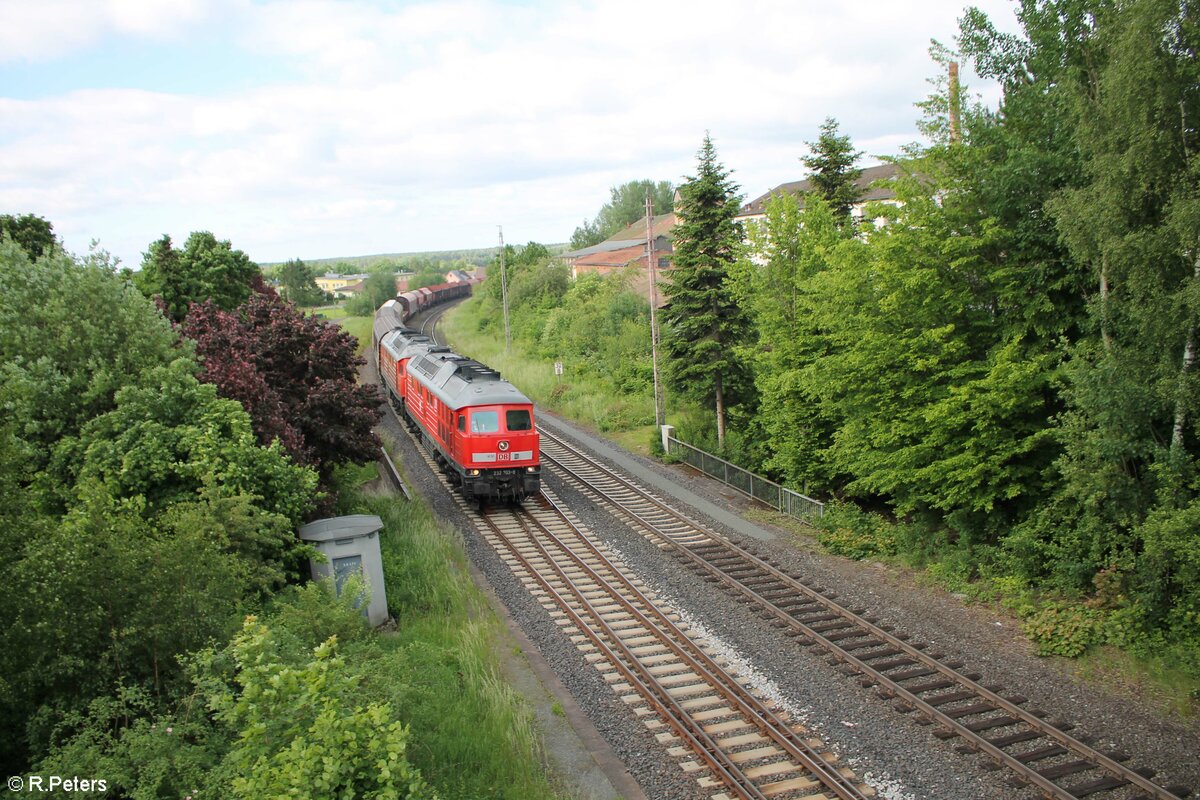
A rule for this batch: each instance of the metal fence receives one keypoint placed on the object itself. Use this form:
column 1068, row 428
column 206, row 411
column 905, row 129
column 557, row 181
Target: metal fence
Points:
column 789, row 502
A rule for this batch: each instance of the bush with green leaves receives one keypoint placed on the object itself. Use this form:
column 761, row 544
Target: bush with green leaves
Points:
column 140, row 752
column 846, row 530
column 303, row 729
column 1064, row 629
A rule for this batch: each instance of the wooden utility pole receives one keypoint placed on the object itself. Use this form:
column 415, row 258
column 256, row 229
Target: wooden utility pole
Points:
column 659, row 400
column 955, row 131
column 504, row 293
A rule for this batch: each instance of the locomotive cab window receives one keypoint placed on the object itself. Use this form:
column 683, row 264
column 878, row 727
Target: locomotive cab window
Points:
column 517, row 419
column 462, row 422
column 485, row 422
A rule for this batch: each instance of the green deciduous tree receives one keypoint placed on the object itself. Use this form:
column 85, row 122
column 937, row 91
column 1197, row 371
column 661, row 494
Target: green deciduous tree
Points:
column 72, row 334
column 796, row 246
column 704, row 321
column 104, row 598
column 833, row 173
column 33, row 234
column 597, row 324
column 205, row 269
column 587, row 234
column 299, row 285
column 170, row 437
column 378, row 287
column 938, row 406
column 626, row 206
column 536, row 283
column 1128, row 474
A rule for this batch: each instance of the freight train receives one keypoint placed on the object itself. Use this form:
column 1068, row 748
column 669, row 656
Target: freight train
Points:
column 478, row 427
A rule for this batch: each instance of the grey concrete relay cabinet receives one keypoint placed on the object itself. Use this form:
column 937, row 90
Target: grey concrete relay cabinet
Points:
column 351, row 547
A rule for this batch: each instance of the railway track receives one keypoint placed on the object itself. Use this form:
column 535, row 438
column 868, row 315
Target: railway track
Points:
column 1039, row 752
column 433, row 316
column 738, row 744
column 733, row 742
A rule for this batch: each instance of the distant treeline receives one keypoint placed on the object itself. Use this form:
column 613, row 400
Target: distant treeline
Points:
column 478, row 257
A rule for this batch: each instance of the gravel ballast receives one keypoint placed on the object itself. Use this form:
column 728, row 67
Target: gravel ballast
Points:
column 900, row 758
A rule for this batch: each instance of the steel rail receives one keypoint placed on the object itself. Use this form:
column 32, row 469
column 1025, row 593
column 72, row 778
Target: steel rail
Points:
column 432, row 317
column 971, row 739
column 754, row 710
column 618, row 653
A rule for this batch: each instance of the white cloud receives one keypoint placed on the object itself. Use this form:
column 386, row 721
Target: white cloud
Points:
column 44, row 29
column 424, row 126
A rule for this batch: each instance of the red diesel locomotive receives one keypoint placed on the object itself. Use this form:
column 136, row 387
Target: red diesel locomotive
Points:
column 479, row 427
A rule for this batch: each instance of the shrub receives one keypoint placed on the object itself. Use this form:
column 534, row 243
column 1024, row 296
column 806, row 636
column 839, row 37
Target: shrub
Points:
column 1062, row 629
column 303, row 730
column 847, row 530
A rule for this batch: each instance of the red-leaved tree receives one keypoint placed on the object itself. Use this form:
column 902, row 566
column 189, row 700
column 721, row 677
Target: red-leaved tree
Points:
column 296, row 376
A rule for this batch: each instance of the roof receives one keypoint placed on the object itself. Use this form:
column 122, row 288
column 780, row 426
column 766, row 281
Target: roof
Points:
column 390, row 315
column 460, row 382
column 799, row 188
column 405, row 343
column 614, row 258
column 635, row 233
column 661, row 225
column 350, row 527
column 604, row 247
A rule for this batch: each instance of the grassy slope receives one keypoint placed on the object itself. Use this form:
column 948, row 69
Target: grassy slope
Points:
column 473, row 735
column 585, row 400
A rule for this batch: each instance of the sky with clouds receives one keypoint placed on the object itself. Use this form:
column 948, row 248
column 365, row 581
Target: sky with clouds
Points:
column 321, row 128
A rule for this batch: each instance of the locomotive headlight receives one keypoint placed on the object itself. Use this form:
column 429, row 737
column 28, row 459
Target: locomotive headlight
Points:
column 474, row 473
column 531, row 469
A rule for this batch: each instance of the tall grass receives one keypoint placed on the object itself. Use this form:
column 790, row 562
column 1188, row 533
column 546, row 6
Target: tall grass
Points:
column 359, row 328
column 472, row 734
column 327, row 312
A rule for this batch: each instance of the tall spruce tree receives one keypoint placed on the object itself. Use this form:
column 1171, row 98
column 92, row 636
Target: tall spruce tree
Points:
column 833, row 172
column 704, row 319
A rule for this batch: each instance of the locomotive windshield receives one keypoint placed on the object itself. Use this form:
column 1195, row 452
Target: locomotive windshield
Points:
column 517, row 419
column 485, row 422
